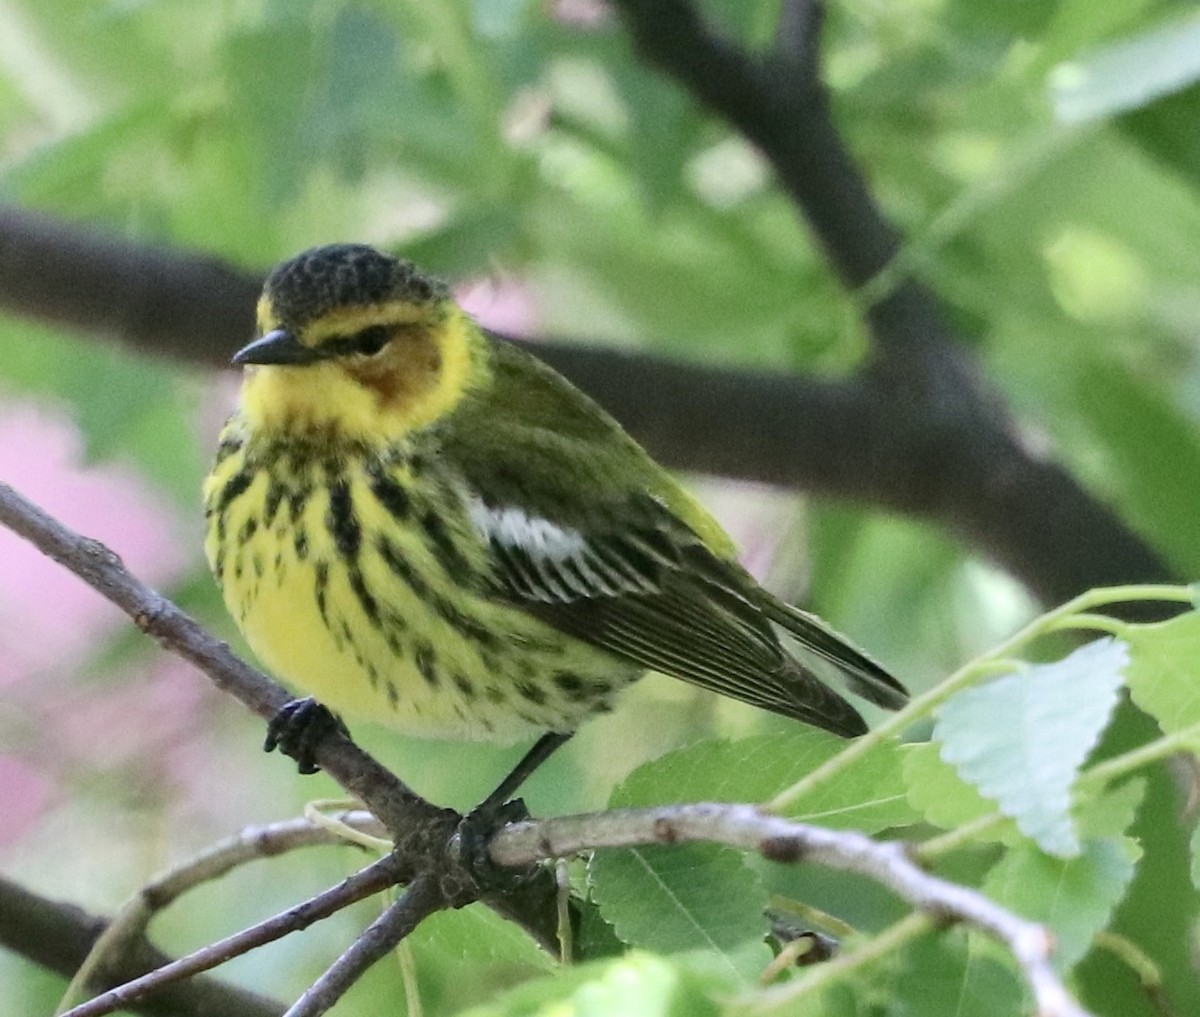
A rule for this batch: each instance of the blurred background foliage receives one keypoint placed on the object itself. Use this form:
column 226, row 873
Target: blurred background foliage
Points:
column 1042, row 159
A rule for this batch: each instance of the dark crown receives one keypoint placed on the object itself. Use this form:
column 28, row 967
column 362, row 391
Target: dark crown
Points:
column 344, row 275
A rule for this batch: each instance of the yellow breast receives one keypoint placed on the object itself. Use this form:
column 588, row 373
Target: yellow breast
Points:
column 360, row 580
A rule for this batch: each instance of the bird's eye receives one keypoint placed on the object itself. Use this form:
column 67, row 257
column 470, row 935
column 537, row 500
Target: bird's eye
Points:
column 371, row 341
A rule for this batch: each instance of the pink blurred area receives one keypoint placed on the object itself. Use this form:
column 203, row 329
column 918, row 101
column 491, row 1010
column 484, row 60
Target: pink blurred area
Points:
column 48, row 618
column 51, row 624
column 499, row 302
column 24, row 795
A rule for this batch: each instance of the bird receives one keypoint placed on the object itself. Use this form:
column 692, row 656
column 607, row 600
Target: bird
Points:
column 419, row 523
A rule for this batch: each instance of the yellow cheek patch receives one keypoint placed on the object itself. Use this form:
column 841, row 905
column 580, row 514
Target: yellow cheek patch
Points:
column 463, row 364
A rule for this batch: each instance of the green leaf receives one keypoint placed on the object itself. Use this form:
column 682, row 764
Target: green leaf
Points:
column 1130, row 415
column 464, row 956
column 1075, row 897
column 476, row 935
column 950, row 976
column 1129, row 74
column 1165, row 129
column 869, row 796
column 637, row 985
column 1022, row 738
column 943, row 798
column 595, row 938
column 1111, row 814
column 704, row 896
column 1164, row 676
column 685, row 897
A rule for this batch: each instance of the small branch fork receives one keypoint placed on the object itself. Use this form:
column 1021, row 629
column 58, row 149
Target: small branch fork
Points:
column 782, row 840
column 371, row 880
column 417, row 903
column 59, row 937
column 125, row 935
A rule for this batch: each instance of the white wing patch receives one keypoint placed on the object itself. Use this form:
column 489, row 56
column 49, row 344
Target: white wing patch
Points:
column 512, row 526
column 545, row 561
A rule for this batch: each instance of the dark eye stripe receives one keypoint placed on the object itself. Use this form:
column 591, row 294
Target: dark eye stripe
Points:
column 367, row 342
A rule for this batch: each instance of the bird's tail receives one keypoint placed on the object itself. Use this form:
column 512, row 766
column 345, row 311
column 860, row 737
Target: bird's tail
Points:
column 820, row 645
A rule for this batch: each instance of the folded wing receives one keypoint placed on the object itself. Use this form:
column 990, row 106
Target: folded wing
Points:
column 651, row 593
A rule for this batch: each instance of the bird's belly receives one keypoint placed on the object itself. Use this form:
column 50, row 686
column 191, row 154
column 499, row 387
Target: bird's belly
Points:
column 388, row 636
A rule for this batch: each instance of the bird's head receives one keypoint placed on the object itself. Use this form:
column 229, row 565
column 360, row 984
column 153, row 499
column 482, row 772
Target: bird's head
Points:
column 355, row 343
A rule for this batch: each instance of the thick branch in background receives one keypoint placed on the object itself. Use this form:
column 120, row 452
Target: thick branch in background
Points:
column 59, row 936
column 375, row 878
column 871, row 440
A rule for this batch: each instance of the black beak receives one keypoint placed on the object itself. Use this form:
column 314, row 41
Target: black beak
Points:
column 277, row 347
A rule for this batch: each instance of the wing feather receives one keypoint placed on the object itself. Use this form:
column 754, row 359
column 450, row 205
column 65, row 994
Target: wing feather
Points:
column 863, row 675
column 658, row 598
column 587, row 532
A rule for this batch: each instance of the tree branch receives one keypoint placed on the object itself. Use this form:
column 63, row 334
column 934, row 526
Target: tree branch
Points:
column 416, row 904
column 421, row 831
column 60, row 936
column 186, row 306
column 935, row 442
column 780, row 104
column 783, row 840
column 375, row 877
column 873, row 440
column 127, row 929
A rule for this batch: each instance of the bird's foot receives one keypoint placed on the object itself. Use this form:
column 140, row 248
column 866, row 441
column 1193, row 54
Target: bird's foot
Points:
column 475, row 833
column 297, row 729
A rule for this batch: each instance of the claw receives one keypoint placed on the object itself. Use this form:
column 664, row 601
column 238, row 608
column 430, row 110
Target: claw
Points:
column 475, row 832
column 298, row 728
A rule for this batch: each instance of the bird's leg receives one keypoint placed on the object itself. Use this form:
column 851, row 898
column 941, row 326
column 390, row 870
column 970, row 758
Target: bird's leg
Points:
column 298, row 727
column 499, row 808
column 542, row 750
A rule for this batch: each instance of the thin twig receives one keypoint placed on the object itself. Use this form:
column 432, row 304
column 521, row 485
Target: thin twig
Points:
column 420, row 900
column 887, row 943
column 1143, row 966
column 57, row 936
column 128, row 926
column 924, row 705
column 375, row 877
column 782, row 840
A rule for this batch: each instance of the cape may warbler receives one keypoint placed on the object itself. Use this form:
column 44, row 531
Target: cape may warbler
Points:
column 423, row 525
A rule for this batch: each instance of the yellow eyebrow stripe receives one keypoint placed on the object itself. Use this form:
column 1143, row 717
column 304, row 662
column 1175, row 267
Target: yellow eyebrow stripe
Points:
column 343, row 321
column 348, row 320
